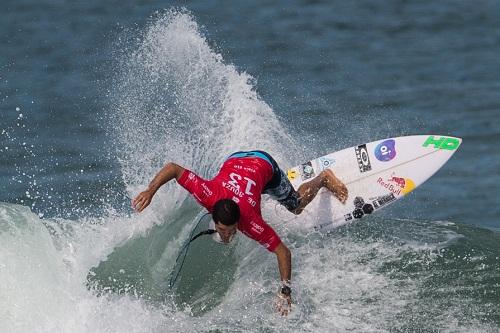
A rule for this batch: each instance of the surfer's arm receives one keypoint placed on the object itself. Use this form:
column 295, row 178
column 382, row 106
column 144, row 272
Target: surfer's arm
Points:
column 284, row 261
column 166, row 174
column 263, row 233
column 284, row 301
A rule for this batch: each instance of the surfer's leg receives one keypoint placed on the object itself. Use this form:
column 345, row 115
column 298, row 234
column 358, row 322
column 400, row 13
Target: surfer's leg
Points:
column 334, row 185
column 326, row 178
column 279, row 187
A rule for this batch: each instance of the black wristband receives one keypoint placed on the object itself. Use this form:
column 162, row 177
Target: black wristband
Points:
column 286, row 290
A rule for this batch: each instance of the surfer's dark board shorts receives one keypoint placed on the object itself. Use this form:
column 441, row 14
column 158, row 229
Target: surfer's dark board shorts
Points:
column 279, row 187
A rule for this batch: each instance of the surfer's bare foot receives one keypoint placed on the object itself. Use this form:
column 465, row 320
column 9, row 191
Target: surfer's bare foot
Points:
column 307, row 191
column 331, row 182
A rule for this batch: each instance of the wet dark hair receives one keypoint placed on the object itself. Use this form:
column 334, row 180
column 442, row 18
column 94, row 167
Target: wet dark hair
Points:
column 226, row 211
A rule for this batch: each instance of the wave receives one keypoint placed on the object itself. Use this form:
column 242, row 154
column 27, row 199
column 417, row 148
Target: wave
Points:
column 380, row 275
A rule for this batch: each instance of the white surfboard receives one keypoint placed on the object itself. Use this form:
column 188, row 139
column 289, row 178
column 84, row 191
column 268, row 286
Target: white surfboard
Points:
column 376, row 174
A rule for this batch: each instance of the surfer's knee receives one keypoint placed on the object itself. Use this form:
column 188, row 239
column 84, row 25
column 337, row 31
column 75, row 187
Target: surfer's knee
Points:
column 325, row 176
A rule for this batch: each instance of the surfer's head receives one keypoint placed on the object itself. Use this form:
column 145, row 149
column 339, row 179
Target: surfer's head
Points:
column 226, row 215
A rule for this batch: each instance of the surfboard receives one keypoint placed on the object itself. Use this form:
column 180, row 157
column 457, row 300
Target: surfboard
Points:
column 376, row 174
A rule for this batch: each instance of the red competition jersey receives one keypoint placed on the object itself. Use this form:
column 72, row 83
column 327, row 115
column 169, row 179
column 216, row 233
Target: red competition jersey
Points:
column 241, row 180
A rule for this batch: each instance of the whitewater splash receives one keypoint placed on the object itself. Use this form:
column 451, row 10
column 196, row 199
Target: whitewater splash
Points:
column 175, row 99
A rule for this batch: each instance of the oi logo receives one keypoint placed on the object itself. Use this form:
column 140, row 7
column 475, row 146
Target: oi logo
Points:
column 386, row 150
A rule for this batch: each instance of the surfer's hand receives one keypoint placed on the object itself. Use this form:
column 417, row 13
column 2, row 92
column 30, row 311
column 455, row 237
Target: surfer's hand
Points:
column 142, row 200
column 283, row 303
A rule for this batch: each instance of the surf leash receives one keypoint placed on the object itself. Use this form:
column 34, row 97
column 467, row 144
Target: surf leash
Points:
column 185, row 248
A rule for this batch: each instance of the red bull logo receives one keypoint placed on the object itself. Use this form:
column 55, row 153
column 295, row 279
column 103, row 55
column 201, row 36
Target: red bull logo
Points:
column 397, row 185
column 398, row 180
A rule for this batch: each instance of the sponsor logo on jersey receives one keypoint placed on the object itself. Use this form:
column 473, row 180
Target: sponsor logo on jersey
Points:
column 257, row 228
column 248, row 169
column 206, row 190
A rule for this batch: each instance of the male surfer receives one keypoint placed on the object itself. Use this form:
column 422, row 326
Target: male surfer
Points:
column 233, row 198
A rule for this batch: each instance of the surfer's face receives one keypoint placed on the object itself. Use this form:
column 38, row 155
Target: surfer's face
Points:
column 226, row 232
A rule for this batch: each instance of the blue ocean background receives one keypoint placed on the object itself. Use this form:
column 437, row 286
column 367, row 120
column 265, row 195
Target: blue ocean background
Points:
column 96, row 96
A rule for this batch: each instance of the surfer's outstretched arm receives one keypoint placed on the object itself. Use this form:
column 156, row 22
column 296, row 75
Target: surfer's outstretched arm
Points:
column 284, row 261
column 166, row 174
column 284, row 300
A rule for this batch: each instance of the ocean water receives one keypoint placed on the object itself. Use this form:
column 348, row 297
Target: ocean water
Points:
column 97, row 96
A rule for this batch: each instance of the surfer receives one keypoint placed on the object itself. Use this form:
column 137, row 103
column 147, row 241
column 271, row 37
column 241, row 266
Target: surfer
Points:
column 233, row 198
